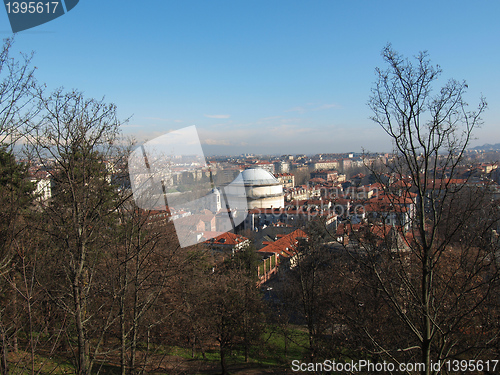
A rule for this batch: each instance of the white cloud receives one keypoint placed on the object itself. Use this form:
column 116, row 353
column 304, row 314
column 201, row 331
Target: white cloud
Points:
column 309, row 107
column 269, row 118
column 217, row 116
column 287, row 130
column 153, row 121
column 296, row 109
column 215, row 142
column 157, row 119
column 142, row 136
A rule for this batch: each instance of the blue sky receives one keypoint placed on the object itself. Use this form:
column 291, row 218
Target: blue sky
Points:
column 261, row 76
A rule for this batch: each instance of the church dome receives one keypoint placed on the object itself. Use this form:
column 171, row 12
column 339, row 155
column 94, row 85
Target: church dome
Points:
column 262, row 189
column 257, row 177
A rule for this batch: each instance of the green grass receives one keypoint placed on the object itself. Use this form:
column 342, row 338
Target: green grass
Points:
column 275, row 345
column 20, row 364
column 269, row 353
column 211, row 355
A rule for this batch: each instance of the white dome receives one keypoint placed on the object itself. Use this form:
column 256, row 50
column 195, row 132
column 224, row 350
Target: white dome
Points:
column 262, row 190
column 258, row 176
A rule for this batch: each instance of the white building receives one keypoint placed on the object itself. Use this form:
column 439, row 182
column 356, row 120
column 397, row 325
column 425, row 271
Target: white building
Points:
column 262, row 189
column 44, row 185
column 214, row 202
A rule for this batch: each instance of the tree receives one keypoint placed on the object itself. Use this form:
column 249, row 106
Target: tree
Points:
column 221, row 305
column 309, row 290
column 245, row 263
column 235, row 312
column 73, row 141
column 18, row 103
column 145, row 260
column 16, row 196
column 440, row 277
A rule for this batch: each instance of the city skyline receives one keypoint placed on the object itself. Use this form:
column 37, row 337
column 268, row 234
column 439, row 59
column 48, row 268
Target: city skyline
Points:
column 265, row 78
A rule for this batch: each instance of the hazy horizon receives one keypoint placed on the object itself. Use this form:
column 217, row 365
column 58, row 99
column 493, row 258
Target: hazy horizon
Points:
column 261, row 77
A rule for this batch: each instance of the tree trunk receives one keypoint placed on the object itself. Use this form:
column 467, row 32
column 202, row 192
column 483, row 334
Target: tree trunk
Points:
column 223, row 360
column 123, row 334
column 4, row 368
column 80, row 330
column 123, row 347
column 135, row 320
column 426, row 334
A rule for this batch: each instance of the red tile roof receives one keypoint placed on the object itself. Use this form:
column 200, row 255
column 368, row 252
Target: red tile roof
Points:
column 286, row 245
column 227, row 238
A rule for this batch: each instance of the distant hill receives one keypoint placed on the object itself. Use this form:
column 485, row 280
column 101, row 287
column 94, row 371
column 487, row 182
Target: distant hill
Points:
column 487, row 147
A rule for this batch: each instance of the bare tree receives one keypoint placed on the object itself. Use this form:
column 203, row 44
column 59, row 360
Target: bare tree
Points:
column 221, row 305
column 310, row 289
column 73, row 141
column 144, row 263
column 437, row 271
column 16, row 196
column 18, row 103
